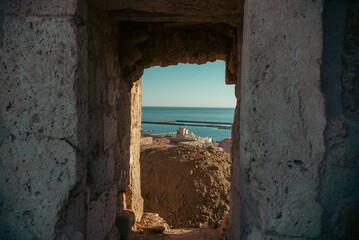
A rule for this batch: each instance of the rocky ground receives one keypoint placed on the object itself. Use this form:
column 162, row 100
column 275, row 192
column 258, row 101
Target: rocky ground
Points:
column 182, row 234
column 153, row 227
column 186, row 185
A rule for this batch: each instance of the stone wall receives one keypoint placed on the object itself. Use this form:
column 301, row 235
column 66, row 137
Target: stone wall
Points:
column 43, row 114
column 191, row 11
column 282, row 120
column 115, row 120
column 70, row 117
column 133, row 194
column 104, row 98
column 339, row 192
column 70, row 112
column 65, row 126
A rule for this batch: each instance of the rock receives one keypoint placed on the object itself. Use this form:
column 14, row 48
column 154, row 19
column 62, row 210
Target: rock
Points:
column 156, row 229
column 124, row 223
column 146, row 141
column 153, row 223
column 339, row 128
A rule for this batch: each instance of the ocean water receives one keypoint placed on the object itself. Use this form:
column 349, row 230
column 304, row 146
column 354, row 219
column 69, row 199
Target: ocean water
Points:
column 214, row 115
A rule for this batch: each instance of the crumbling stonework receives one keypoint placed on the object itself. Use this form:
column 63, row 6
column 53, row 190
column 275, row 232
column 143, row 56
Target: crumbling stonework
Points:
column 164, row 44
column 70, row 112
column 195, row 11
column 113, row 136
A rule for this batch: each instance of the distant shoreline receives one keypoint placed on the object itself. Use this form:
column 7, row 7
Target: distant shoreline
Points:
column 211, row 122
column 187, row 107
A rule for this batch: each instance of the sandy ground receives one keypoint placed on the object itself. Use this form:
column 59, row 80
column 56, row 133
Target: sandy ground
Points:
column 188, row 186
column 182, row 234
column 154, row 221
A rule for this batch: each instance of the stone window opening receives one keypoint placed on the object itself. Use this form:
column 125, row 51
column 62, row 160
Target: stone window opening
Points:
column 120, row 50
column 186, row 183
column 144, row 45
column 69, row 112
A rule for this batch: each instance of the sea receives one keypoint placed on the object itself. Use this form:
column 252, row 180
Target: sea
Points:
column 206, row 121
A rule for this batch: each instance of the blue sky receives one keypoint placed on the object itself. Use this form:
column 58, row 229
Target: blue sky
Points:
column 187, row 85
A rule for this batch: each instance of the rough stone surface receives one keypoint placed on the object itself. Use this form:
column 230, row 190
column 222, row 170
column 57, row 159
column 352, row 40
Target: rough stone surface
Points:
column 114, row 234
column 146, row 141
column 68, row 233
column 4, row 132
column 43, row 7
column 41, row 145
column 32, row 192
column 282, row 122
column 31, row 90
column 347, row 220
column 101, row 215
column 124, row 133
column 109, row 137
column 340, row 169
column 134, row 198
column 65, row 137
column 164, row 44
column 106, row 162
column 350, row 79
column 188, row 7
column 228, row 11
column 124, row 223
column 3, row 8
column 74, row 215
column 151, row 221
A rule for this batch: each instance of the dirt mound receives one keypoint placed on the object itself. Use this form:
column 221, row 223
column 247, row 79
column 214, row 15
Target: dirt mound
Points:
column 188, row 186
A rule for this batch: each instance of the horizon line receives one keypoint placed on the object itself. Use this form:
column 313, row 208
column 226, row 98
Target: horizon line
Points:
column 190, row 106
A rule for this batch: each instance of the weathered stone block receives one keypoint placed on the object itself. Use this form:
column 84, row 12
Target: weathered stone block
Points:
column 101, row 214
column 43, row 7
column 113, row 92
column 114, row 234
column 37, row 176
column 146, row 140
column 340, row 179
column 4, row 132
column 68, row 233
column 338, row 128
column 350, row 58
column 110, row 129
column 347, row 220
column 75, row 214
column 342, row 155
column 134, row 197
column 282, row 119
column 122, row 166
column 189, row 7
column 124, row 223
column 3, row 6
column 7, row 222
column 38, row 80
column 102, row 171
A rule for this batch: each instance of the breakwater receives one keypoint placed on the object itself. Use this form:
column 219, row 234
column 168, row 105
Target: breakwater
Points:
column 220, row 125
